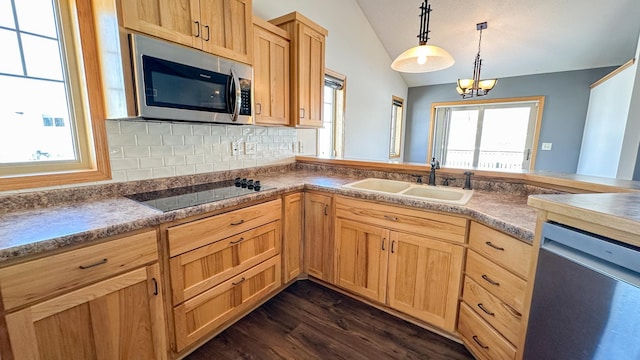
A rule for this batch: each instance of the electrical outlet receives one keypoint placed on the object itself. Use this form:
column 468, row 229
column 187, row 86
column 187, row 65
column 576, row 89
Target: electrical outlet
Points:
column 546, row 146
column 235, row 148
column 249, row 148
column 300, row 147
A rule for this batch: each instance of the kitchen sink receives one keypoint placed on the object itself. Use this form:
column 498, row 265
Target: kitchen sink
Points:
column 381, row 185
column 443, row 194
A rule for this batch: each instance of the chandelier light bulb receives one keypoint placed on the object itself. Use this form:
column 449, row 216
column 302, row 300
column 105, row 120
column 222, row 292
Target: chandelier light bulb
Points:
column 422, row 59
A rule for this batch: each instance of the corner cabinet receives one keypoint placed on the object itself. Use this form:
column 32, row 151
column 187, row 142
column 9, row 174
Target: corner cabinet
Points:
column 416, row 255
column 107, row 303
column 318, row 236
column 221, row 27
column 307, row 68
column 271, row 73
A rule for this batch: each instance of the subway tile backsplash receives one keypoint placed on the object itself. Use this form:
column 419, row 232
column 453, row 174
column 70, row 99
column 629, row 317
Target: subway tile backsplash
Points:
column 146, row 150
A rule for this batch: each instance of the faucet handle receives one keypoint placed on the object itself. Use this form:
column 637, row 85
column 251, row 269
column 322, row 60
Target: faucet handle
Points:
column 445, row 181
column 419, row 178
column 435, row 164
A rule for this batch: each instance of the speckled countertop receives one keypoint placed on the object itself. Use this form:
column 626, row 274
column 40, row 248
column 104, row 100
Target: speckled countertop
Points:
column 46, row 224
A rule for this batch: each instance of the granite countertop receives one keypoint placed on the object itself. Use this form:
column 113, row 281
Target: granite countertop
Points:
column 31, row 231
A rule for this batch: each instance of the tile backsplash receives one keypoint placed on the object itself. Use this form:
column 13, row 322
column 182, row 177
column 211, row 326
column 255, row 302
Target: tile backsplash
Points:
column 145, row 150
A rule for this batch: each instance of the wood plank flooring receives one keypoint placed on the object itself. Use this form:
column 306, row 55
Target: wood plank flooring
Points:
column 309, row 321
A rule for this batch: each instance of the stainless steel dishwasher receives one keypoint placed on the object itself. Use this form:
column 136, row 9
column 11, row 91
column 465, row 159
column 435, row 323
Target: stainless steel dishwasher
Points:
column 586, row 298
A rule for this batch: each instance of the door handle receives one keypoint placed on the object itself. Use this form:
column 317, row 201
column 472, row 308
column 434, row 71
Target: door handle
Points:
column 197, row 28
column 208, row 33
column 301, row 113
column 326, row 210
column 259, row 109
column 393, row 246
column 383, row 239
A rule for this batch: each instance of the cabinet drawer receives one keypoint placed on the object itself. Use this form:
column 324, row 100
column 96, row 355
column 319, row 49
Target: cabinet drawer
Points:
column 186, row 237
column 435, row 226
column 498, row 281
column 198, row 270
column 482, row 338
column 34, row 280
column 198, row 317
column 501, row 316
column 502, row 249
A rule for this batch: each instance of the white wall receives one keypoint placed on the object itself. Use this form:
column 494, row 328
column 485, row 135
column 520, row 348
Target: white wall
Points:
column 353, row 49
column 605, row 125
column 631, row 142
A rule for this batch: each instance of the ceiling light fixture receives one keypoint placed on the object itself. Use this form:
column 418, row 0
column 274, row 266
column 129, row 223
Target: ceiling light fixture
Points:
column 469, row 88
column 423, row 58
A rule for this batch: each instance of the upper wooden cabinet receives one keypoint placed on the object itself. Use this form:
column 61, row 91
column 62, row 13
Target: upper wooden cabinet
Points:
column 271, row 73
column 307, row 68
column 221, row 27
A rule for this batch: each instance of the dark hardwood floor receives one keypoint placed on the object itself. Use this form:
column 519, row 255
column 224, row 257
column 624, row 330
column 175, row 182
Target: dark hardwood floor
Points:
column 309, row 321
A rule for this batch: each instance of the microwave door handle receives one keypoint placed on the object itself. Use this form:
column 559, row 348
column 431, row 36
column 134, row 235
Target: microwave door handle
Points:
column 234, row 95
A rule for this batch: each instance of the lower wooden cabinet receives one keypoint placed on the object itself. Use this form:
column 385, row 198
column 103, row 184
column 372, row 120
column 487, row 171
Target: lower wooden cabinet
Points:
column 492, row 307
column 292, row 235
column 210, row 310
column 417, row 274
column 118, row 318
column 318, row 236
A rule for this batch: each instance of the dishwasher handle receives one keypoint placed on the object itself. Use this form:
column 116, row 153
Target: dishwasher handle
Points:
column 598, row 253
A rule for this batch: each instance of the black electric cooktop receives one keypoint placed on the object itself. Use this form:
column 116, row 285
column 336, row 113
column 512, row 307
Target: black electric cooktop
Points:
column 179, row 198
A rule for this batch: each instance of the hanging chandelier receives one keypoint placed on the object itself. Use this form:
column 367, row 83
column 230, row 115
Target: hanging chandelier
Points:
column 469, row 88
column 423, row 58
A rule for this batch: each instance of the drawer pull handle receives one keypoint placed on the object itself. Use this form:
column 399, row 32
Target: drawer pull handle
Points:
column 392, row 218
column 475, row 338
column 237, row 223
column 485, row 310
column 490, row 281
column 393, row 246
column 84, row 267
column 155, row 286
column 490, row 244
column 239, row 282
column 513, row 311
column 237, row 241
column 383, row 240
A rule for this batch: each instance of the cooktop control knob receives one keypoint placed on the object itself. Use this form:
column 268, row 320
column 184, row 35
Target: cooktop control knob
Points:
column 250, row 184
column 256, row 185
column 243, row 183
column 237, row 182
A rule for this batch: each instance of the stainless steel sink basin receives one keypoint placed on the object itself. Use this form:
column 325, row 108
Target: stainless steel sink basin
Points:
column 443, row 194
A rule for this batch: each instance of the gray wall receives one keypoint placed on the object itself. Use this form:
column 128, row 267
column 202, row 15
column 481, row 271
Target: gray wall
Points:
column 566, row 100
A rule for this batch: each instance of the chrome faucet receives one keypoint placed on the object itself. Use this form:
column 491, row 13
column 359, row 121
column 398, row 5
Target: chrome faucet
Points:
column 435, row 164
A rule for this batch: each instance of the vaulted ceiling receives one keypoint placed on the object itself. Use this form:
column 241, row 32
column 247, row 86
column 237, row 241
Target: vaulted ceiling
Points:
column 523, row 36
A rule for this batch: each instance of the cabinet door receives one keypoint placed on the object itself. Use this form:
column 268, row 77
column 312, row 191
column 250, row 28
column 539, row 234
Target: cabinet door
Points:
column 424, row 278
column 173, row 20
column 119, row 318
column 292, row 236
column 310, row 76
column 318, row 239
column 271, row 77
column 362, row 256
column 227, row 26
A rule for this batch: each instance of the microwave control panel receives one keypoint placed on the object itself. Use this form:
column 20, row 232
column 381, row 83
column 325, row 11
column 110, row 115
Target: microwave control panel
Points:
column 245, row 97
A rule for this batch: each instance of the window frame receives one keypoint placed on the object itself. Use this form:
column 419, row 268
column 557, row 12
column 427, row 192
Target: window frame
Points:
column 508, row 101
column 398, row 128
column 86, row 87
column 339, row 107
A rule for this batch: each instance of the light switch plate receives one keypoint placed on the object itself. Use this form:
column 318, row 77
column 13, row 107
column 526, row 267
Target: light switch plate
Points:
column 546, row 146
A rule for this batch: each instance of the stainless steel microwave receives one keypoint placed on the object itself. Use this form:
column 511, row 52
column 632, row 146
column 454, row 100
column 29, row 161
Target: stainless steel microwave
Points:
column 176, row 83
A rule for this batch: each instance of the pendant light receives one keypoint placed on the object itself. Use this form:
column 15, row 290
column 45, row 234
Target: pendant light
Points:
column 469, row 88
column 423, row 58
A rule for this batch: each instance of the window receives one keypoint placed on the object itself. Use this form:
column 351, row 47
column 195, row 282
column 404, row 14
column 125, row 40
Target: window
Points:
column 498, row 134
column 50, row 133
column 331, row 135
column 395, row 142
